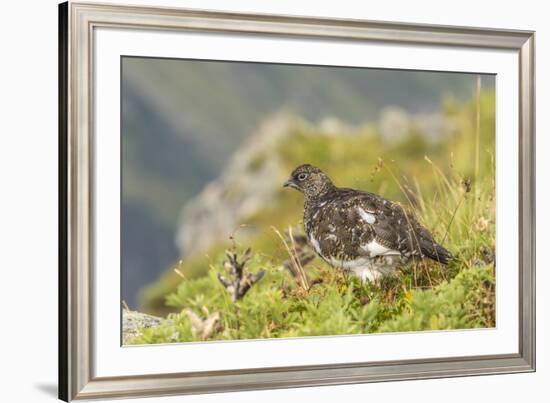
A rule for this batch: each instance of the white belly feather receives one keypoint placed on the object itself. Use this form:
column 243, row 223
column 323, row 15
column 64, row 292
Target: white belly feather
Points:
column 376, row 249
column 349, row 264
column 378, row 261
column 315, row 244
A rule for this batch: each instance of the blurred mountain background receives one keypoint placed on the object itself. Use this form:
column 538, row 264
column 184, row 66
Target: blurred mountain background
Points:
column 201, row 145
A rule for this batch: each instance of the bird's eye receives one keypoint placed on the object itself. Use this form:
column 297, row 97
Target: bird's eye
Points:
column 302, row 176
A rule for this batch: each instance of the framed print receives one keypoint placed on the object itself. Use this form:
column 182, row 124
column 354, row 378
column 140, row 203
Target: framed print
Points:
column 265, row 201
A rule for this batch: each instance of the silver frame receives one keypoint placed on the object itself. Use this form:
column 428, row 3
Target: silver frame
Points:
column 76, row 25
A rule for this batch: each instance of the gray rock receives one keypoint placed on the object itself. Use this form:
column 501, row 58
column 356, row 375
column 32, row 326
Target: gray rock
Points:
column 133, row 323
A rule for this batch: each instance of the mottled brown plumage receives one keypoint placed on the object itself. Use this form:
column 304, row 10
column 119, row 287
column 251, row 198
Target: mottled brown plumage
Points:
column 360, row 231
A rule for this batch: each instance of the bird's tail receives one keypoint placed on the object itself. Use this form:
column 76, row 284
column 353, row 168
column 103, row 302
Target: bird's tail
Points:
column 436, row 252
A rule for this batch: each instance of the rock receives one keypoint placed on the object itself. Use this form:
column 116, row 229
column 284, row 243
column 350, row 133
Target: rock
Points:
column 396, row 123
column 246, row 185
column 133, row 323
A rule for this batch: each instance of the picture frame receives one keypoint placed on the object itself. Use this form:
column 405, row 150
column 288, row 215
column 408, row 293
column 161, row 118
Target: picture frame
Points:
column 77, row 169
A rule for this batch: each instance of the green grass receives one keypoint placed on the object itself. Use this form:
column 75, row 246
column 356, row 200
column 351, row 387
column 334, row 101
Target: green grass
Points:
column 451, row 192
column 276, row 307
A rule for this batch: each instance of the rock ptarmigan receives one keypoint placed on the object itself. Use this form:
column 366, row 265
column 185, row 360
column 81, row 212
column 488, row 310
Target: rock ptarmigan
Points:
column 357, row 231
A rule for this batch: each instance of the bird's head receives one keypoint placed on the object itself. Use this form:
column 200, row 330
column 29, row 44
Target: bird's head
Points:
column 309, row 180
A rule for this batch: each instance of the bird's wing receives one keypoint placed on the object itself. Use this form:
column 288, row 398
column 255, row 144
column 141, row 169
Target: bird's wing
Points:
column 397, row 229
column 353, row 224
column 335, row 229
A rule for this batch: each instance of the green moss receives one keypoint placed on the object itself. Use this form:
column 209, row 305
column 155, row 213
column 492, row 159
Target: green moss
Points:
column 334, row 307
column 459, row 304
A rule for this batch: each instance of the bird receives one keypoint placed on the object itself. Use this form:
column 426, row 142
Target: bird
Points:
column 360, row 232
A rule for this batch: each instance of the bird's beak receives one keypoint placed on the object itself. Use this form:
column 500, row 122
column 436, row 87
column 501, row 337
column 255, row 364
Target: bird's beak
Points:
column 289, row 183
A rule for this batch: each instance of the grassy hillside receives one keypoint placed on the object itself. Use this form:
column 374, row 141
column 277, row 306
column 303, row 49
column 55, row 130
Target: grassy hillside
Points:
column 450, row 187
